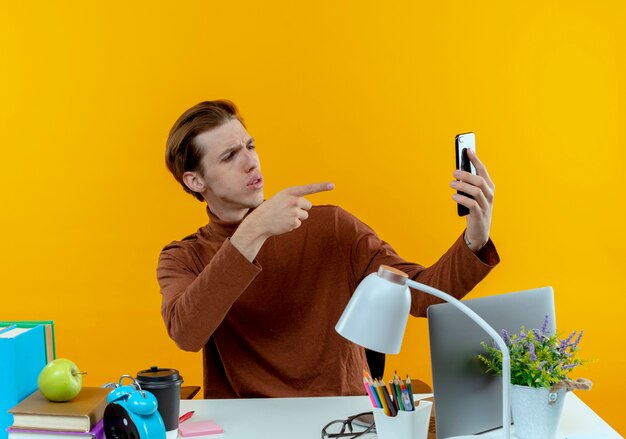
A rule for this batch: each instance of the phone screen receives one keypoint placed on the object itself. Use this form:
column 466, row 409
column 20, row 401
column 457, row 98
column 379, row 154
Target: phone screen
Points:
column 462, row 143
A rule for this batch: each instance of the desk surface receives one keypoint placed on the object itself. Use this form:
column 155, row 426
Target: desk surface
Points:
column 302, row 418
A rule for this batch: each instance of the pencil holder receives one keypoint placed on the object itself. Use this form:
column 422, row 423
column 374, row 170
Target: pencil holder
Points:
column 405, row 425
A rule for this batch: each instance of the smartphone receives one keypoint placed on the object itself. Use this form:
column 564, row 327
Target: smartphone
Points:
column 463, row 142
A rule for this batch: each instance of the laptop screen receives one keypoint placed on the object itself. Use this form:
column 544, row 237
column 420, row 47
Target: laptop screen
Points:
column 468, row 401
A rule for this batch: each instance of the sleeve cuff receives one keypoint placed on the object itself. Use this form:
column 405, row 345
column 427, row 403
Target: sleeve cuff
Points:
column 487, row 255
column 242, row 263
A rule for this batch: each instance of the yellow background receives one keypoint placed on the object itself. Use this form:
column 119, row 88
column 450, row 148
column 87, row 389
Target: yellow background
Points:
column 366, row 94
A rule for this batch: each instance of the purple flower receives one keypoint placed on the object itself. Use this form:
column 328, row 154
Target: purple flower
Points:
column 505, row 337
column 531, row 349
column 544, row 327
column 575, row 345
column 569, row 366
column 540, row 365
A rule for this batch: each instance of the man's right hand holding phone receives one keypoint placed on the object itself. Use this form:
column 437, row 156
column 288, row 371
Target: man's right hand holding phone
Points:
column 481, row 188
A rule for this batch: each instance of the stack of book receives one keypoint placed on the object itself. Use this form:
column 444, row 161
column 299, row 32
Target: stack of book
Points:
column 37, row 418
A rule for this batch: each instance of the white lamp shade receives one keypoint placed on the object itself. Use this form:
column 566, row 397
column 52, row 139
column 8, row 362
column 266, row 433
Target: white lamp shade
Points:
column 376, row 315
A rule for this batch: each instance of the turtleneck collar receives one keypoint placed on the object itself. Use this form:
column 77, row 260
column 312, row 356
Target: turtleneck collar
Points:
column 220, row 228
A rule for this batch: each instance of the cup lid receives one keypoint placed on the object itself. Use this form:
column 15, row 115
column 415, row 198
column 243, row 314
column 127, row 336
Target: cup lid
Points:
column 158, row 375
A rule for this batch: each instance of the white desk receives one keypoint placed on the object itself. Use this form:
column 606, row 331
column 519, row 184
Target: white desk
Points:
column 303, row 418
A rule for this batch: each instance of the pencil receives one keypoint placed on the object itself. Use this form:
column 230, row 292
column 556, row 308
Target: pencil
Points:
column 383, row 401
column 370, row 383
column 375, row 393
column 186, row 416
column 369, row 391
column 396, row 387
column 392, row 408
column 392, row 394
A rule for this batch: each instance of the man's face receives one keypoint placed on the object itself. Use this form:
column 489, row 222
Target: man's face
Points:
column 232, row 172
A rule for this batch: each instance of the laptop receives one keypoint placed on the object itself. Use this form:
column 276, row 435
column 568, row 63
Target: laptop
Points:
column 467, row 400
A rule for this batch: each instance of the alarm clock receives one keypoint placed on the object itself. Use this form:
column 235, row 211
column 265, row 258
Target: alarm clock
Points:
column 131, row 413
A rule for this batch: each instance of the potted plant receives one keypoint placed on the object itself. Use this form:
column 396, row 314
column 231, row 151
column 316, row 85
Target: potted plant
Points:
column 541, row 364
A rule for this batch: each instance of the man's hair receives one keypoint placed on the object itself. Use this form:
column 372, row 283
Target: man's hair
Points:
column 182, row 153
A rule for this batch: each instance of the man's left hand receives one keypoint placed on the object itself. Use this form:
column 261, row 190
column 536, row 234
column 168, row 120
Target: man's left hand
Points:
column 481, row 188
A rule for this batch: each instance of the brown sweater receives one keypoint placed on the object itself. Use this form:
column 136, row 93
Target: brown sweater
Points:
column 267, row 327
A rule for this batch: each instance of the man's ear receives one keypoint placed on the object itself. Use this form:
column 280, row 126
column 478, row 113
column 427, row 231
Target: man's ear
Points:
column 194, row 181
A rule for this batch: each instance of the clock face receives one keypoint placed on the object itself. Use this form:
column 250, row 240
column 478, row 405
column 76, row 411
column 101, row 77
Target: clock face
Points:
column 118, row 423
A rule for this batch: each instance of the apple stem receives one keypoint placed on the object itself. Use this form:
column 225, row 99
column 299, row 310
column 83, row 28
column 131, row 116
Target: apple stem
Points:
column 79, row 373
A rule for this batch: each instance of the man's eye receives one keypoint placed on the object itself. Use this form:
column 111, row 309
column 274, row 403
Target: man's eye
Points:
column 251, row 146
column 228, row 157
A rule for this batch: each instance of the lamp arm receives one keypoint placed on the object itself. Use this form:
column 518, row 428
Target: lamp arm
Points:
column 506, row 360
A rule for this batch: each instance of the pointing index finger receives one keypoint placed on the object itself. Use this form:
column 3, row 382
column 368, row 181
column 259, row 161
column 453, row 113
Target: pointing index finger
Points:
column 309, row 189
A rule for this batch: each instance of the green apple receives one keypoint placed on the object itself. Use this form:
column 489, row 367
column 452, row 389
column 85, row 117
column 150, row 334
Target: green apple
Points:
column 60, row 380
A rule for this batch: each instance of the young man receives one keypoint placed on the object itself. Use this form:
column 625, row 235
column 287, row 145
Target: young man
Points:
column 261, row 287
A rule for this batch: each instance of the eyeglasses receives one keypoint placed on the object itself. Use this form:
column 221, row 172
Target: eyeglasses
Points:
column 356, row 426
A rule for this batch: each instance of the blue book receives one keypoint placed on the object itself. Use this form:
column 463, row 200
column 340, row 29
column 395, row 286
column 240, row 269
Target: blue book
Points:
column 23, row 355
column 7, row 328
column 48, row 332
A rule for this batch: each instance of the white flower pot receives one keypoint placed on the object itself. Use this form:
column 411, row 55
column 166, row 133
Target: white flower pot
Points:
column 536, row 411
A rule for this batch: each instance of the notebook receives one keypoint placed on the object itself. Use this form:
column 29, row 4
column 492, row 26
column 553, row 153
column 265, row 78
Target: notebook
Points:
column 200, row 428
column 79, row 414
column 97, row 432
column 468, row 401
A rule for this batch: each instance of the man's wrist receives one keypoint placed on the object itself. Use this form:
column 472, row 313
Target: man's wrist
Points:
column 247, row 241
column 466, row 239
column 472, row 246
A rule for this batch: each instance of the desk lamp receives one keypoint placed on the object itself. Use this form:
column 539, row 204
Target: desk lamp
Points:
column 378, row 311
